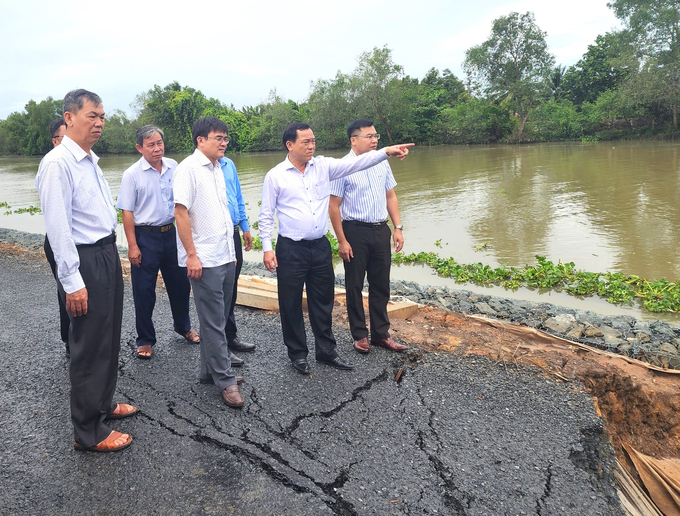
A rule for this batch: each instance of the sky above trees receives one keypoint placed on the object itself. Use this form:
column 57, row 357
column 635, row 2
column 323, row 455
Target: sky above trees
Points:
column 239, row 52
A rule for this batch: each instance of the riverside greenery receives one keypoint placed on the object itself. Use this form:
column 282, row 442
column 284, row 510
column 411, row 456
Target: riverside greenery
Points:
column 625, row 86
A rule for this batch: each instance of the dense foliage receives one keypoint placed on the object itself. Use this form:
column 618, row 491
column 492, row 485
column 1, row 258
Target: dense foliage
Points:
column 627, row 85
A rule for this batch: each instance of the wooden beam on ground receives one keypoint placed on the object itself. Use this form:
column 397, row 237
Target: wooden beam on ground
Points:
column 257, row 292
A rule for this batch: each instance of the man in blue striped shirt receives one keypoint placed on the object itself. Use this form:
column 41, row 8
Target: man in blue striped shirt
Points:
column 358, row 208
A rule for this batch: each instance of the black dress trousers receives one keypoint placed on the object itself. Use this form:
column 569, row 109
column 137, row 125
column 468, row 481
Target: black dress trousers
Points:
column 306, row 263
column 372, row 259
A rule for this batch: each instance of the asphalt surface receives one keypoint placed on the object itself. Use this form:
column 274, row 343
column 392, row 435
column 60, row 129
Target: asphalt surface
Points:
column 456, row 435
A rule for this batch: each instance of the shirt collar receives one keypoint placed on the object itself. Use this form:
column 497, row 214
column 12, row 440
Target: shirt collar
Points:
column 203, row 159
column 77, row 150
column 146, row 165
column 290, row 166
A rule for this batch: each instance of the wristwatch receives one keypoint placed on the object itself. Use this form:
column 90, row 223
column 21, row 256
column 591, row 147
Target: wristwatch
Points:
column 398, row 226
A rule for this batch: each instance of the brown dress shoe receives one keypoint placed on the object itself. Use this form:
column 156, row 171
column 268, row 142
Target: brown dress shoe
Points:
column 362, row 345
column 389, row 344
column 232, row 396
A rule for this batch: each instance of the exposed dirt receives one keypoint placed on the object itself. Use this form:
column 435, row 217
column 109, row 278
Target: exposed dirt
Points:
column 640, row 406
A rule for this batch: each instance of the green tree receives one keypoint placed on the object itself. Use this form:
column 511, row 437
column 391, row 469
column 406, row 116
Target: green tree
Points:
column 655, row 25
column 512, row 64
column 602, row 68
column 174, row 109
column 376, row 80
column 119, row 135
column 330, row 111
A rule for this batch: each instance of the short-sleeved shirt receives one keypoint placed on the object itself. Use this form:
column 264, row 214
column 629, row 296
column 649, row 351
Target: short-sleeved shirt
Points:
column 198, row 184
column 364, row 193
column 147, row 193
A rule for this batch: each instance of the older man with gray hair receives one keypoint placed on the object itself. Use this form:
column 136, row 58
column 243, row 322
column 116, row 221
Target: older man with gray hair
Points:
column 80, row 222
column 148, row 207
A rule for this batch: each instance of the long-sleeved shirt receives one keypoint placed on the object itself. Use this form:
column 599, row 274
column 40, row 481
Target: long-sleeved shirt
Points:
column 364, row 194
column 76, row 201
column 198, row 184
column 300, row 200
column 147, row 193
column 237, row 206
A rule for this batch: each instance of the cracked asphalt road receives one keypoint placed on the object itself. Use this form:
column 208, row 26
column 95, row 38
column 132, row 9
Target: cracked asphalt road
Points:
column 456, row 435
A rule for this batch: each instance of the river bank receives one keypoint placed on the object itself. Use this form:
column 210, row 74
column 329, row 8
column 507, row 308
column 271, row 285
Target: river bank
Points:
column 655, row 342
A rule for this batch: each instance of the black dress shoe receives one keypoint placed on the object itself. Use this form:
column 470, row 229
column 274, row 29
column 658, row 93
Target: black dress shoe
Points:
column 237, row 344
column 301, row 366
column 235, row 361
column 338, row 363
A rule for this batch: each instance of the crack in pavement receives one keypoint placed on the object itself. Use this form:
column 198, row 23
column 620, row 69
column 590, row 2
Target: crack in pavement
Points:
column 540, row 503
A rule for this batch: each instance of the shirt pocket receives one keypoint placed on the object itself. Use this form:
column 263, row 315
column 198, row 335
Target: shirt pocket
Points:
column 322, row 189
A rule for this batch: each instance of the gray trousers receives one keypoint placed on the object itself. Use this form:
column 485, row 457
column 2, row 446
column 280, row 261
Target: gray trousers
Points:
column 212, row 295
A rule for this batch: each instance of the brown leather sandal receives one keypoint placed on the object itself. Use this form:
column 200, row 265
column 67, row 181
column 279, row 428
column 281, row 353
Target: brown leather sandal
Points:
column 145, row 351
column 122, row 410
column 192, row 337
column 114, row 442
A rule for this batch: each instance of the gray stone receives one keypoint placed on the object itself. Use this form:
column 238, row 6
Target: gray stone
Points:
column 560, row 323
column 669, row 348
column 592, row 331
column 484, row 308
column 576, row 332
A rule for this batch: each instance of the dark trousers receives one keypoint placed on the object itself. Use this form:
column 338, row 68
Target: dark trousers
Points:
column 231, row 320
column 64, row 321
column 94, row 339
column 159, row 252
column 306, row 263
column 372, row 259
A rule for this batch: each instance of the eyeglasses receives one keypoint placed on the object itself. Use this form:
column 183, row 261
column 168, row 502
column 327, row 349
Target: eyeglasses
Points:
column 367, row 136
column 219, row 139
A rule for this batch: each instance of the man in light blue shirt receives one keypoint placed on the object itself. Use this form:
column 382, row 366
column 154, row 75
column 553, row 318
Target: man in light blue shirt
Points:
column 148, row 207
column 237, row 210
column 358, row 209
column 80, row 222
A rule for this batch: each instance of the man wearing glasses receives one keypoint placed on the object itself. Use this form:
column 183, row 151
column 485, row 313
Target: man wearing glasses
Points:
column 237, row 210
column 205, row 247
column 359, row 205
column 298, row 190
column 57, row 132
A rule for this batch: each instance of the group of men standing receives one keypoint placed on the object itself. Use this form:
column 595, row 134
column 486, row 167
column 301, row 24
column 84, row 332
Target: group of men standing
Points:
column 185, row 220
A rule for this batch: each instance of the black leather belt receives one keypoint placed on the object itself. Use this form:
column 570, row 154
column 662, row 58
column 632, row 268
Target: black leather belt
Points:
column 161, row 229
column 111, row 239
column 374, row 225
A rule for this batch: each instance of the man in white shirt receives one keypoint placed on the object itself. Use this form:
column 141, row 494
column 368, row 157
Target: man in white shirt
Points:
column 146, row 200
column 359, row 206
column 205, row 247
column 298, row 191
column 80, row 222
column 57, row 132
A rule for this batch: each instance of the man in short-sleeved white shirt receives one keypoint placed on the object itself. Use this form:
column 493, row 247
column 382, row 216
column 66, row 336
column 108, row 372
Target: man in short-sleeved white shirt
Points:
column 146, row 200
column 205, row 247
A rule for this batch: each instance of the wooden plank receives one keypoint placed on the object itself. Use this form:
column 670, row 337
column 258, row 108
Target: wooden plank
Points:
column 401, row 309
column 257, row 298
column 258, row 292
